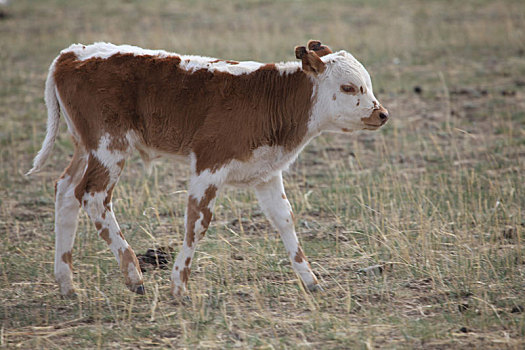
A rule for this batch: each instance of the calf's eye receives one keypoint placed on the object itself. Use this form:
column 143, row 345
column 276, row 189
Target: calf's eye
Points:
column 349, row 89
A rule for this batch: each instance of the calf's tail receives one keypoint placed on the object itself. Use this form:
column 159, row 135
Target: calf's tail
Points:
column 53, row 118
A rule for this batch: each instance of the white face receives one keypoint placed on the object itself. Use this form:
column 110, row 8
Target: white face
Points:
column 345, row 95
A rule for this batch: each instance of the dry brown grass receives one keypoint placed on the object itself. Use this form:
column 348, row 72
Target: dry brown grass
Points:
column 436, row 197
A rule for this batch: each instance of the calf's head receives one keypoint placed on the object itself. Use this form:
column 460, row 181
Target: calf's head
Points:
column 344, row 99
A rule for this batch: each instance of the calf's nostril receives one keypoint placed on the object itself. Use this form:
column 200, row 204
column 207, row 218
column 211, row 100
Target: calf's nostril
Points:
column 383, row 115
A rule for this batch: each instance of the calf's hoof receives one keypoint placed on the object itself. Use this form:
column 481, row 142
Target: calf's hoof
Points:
column 182, row 300
column 177, row 290
column 314, row 288
column 139, row 289
column 67, row 290
column 71, row 294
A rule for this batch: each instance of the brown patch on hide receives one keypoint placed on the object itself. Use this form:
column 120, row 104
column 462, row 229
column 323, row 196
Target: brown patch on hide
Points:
column 107, row 199
column 104, row 234
column 334, row 97
column 188, row 261
column 98, row 225
column 75, row 167
column 358, row 102
column 195, row 208
column 263, row 108
column 227, row 61
column 185, row 275
column 319, row 49
column 76, row 162
column 127, row 256
column 283, row 196
column 95, row 179
column 361, row 89
column 104, row 215
column 217, row 115
column 121, row 163
column 67, row 258
column 346, row 130
column 299, row 256
column 121, row 235
column 268, row 66
column 105, row 96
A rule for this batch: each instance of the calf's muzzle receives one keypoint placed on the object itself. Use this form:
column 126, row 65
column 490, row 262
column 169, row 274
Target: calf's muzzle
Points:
column 378, row 117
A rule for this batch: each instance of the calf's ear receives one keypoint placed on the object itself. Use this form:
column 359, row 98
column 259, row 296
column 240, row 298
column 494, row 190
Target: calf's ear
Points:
column 312, row 64
column 320, row 49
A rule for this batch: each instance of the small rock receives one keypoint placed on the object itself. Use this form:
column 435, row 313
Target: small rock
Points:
column 374, row 270
column 154, row 258
column 517, row 309
column 508, row 93
column 464, row 330
column 237, row 256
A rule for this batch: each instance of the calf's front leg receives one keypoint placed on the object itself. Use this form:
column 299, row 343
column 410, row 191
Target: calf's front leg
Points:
column 275, row 205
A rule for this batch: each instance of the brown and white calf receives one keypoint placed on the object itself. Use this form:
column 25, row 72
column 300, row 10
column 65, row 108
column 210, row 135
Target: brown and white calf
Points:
column 237, row 123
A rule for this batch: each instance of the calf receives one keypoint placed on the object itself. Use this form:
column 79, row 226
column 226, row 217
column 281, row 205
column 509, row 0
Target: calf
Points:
column 237, row 123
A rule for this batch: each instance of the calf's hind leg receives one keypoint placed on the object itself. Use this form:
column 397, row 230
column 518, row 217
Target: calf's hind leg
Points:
column 66, row 218
column 202, row 193
column 94, row 191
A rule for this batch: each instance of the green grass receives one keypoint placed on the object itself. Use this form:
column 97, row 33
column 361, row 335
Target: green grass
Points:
column 436, row 196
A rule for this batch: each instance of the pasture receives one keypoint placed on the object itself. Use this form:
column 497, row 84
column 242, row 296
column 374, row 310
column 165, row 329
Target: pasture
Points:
column 415, row 231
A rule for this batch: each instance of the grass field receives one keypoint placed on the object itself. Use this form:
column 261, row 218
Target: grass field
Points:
column 436, row 197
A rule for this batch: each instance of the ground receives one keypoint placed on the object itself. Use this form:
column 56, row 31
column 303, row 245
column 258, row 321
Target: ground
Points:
column 415, row 231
